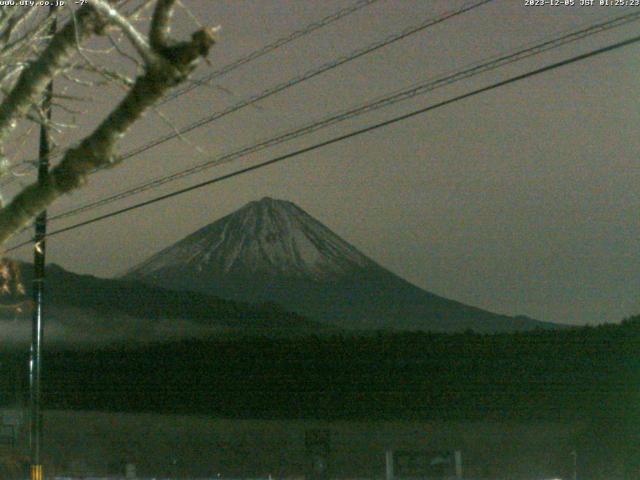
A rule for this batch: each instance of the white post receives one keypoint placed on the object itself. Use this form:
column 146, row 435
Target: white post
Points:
column 458, row 459
column 389, row 459
column 130, row 471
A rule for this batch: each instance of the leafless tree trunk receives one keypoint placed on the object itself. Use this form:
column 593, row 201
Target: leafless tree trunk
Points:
column 29, row 60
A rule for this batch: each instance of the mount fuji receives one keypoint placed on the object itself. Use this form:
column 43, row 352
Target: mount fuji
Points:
column 273, row 251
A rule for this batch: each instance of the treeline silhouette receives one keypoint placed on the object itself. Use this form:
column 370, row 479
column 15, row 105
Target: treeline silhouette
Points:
column 572, row 374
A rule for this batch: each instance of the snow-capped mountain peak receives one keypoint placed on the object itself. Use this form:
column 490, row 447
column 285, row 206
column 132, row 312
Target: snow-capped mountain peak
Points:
column 272, row 251
column 268, row 237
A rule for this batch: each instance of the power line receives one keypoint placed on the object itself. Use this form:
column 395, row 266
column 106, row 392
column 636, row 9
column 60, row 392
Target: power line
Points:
column 306, row 76
column 301, row 78
column 312, row 27
column 398, row 96
column 297, row 80
column 306, row 30
column 354, row 133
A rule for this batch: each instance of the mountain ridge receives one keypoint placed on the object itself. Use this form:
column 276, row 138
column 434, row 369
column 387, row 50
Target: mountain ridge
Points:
column 90, row 309
column 272, row 250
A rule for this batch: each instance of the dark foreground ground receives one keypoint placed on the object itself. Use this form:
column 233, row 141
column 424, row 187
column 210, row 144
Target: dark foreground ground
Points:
column 99, row 444
column 516, row 405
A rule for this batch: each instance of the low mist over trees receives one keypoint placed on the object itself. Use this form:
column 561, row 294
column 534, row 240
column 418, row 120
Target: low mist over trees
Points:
column 582, row 373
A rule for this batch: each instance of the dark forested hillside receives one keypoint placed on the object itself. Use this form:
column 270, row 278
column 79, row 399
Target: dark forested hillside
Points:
column 572, row 374
column 100, row 296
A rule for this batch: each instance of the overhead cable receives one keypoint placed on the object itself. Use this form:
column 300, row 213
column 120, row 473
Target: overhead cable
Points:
column 390, row 99
column 349, row 135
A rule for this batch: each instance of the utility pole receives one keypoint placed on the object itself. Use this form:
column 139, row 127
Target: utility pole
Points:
column 37, row 329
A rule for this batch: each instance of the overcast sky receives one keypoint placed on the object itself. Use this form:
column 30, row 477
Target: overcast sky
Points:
column 522, row 200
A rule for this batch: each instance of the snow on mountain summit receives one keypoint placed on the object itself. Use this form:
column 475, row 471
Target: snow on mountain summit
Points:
column 269, row 236
column 272, row 251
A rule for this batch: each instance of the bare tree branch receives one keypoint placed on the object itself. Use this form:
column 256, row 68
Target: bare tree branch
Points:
column 168, row 64
column 34, row 79
column 11, row 21
column 161, row 24
column 136, row 38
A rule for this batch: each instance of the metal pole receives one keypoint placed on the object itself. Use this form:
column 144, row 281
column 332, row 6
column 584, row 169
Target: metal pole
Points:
column 37, row 331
